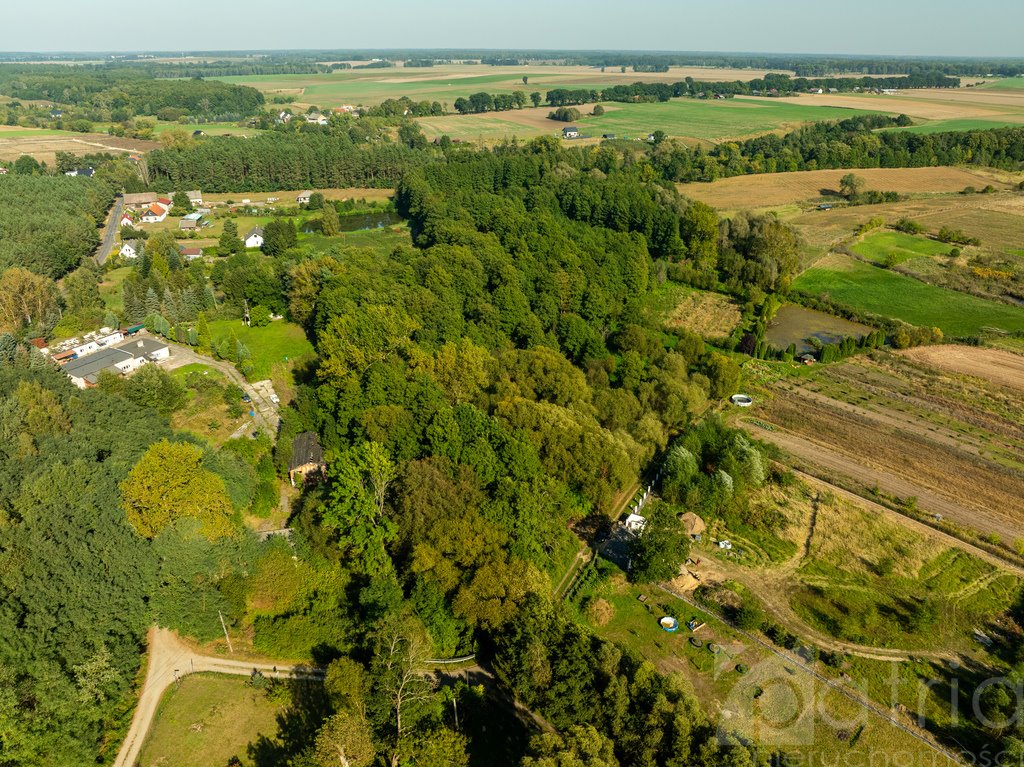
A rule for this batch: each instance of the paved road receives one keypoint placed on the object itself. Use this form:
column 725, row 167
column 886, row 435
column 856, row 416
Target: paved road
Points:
column 266, row 416
column 109, row 232
column 169, row 660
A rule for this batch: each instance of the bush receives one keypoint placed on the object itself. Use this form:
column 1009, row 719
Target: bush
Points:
column 600, row 611
column 908, row 226
column 598, row 110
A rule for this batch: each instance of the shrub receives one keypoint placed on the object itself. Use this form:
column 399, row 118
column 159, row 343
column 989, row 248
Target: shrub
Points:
column 600, row 611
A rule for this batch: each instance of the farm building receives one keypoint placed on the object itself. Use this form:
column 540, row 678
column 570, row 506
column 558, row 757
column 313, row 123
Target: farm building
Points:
column 254, row 237
column 806, row 359
column 302, row 198
column 608, row 136
column 307, row 457
column 139, row 199
column 188, row 224
column 570, row 131
column 195, row 197
column 84, row 372
column 87, row 172
column 693, row 524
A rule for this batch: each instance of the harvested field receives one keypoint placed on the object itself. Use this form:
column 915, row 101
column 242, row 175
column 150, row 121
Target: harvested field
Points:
column 998, row 367
column 773, row 189
column 924, row 104
column 288, row 197
column 709, row 315
column 44, row 145
column 910, row 431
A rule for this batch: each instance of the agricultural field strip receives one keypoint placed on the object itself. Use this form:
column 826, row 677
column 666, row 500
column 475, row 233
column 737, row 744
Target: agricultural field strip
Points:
column 815, row 455
column 996, row 366
column 840, row 688
column 950, row 472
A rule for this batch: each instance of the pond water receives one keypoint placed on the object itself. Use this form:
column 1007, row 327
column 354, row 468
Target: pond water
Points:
column 794, row 324
column 357, row 222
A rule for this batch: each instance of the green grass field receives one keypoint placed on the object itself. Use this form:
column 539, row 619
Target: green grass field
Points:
column 275, row 346
column 959, row 124
column 889, row 294
column 110, row 288
column 879, row 246
column 206, row 721
column 1006, row 82
column 689, row 118
column 730, row 118
column 36, row 132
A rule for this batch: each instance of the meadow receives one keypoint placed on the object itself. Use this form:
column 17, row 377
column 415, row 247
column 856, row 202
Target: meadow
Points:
column 274, row 348
column 886, row 293
column 889, row 247
column 208, row 719
column 960, row 124
column 707, row 120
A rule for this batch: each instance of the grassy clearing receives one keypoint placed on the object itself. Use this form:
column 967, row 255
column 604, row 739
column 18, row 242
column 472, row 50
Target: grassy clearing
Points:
column 206, row 413
column 709, row 315
column 207, row 720
column 959, row 124
column 896, row 247
column 889, row 294
column 275, row 348
column 900, row 589
column 110, row 288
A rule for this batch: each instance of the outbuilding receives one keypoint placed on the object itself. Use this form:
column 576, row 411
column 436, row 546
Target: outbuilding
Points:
column 307, row 457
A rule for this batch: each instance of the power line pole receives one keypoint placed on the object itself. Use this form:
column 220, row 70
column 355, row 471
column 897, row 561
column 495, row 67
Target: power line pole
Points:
column 225, row 627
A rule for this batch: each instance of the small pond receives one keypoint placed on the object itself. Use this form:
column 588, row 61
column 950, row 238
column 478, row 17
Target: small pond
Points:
column 794, row 324
column 357, row 222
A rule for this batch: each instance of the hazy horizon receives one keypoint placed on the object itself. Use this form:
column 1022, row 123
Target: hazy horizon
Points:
column 874, row 28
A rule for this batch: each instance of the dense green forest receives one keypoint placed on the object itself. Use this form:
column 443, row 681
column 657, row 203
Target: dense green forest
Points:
column 48, row 224
column 131, row 90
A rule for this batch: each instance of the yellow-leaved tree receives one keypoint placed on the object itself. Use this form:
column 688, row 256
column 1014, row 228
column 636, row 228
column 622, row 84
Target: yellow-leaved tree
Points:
column 169, row 483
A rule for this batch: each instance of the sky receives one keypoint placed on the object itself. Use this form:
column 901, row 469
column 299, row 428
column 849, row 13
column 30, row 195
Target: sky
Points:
column 892, row 27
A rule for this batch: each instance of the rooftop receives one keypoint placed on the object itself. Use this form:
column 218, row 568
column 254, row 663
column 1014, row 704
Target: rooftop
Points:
column 94, row 363
column 306, row 450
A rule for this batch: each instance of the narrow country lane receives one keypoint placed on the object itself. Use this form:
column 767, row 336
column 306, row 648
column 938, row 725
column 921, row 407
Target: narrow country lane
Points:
column 170, row 659
column 109, row 231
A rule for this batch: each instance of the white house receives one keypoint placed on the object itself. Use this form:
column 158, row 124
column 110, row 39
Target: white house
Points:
column 570, row 131
column 126, row 220
column 154, row 214
column 131, row 249
column 84, row 372
column 195, row 197
column 302, row 198
column 254, row 239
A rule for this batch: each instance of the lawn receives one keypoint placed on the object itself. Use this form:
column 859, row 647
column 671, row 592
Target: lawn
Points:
column 274, row 348
column 710, row 315
column 207, row 720
column 110, row 288
column 889, row 294
column 879, row 246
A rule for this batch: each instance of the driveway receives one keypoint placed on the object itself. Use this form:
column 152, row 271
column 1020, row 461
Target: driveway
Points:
column 265, row 411
column 109, row 231
column 169, row 660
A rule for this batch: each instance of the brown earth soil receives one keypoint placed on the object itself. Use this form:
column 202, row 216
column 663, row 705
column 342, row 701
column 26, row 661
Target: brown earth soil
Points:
column 994, row 365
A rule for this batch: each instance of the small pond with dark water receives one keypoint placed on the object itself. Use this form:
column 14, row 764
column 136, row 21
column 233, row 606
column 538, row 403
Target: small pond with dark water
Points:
column 357, row 222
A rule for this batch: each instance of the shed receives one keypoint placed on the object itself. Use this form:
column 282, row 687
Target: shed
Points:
column 302, row 198
column 693, row 524
column 307, row 457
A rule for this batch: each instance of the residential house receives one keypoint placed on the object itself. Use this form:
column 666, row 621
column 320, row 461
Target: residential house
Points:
column 315, row 118
column 195, row 197
column 154, row 214
column 131, row 249
column 127, row 220
column 570, row 131
column 191, row 254
column 302, row 198
column 254, row 238
column 307, row 457
column 87, row 172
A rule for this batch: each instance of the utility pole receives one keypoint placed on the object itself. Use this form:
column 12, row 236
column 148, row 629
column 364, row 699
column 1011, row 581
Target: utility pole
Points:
column 224, row 626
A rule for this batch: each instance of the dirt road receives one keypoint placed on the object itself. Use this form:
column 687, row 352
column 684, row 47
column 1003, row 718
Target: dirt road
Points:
column 170, row 659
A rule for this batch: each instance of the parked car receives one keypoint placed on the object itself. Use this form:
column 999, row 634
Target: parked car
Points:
column 246, row 398
column 275, row 399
